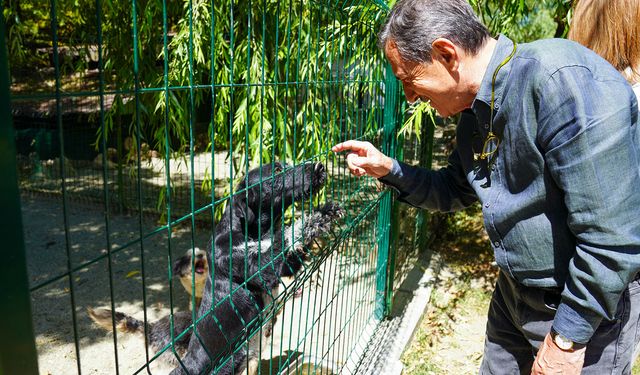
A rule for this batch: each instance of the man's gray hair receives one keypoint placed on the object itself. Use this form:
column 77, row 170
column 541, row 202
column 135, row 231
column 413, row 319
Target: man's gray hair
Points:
column 414, row 24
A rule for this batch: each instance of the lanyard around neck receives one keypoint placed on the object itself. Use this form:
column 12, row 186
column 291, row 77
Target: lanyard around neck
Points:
column 492, row 141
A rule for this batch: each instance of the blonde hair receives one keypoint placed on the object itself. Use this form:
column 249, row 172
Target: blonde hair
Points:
column 611, row 28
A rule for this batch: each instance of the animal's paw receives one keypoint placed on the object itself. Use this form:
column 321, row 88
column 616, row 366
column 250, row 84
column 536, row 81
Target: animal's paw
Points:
column 332, row 210
column 321, row 220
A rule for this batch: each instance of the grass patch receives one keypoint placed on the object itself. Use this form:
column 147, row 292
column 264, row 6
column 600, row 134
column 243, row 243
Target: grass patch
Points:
column 450, row 338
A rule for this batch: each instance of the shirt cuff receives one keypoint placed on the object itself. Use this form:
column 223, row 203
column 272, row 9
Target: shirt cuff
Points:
column 394, row 177
column 578, row 325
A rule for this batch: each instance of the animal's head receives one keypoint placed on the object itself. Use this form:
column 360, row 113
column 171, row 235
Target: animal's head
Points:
column 263, row 195
column 182, row 269
column 279, row 184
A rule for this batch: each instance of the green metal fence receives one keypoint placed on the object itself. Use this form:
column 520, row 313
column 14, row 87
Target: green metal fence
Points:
column 135, row 125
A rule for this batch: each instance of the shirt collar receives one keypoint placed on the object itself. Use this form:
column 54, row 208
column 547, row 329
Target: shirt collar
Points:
column 483, row 97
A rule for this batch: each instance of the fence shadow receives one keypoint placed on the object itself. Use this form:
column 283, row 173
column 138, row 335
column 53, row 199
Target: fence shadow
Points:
column 135, row 275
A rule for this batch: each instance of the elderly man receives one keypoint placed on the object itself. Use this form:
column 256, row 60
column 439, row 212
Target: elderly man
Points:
column 548, row 142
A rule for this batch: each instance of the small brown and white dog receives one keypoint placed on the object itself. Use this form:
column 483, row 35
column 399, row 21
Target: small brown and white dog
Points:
column 192, row 278
column 158, row 331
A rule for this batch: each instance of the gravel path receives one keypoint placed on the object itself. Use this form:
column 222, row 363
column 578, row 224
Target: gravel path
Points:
column 49, row 258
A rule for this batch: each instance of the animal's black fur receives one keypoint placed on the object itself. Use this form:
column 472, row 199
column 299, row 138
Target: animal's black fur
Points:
column 249, row 235
column 255, row 240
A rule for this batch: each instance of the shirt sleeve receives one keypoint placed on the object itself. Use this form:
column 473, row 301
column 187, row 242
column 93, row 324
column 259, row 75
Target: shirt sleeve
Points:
column 588, row 131
column 444, row 190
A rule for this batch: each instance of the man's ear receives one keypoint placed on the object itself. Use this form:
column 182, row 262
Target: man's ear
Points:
column 390, row 44
column 446, row 52
column 390, row 49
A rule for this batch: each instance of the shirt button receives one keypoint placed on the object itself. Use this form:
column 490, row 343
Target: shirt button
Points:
column 486, row 126
column 486, row 204
column 493, row 167
column 496, row 244
column 496, row 106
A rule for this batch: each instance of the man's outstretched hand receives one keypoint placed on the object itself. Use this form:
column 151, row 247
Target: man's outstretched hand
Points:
column 364, row 159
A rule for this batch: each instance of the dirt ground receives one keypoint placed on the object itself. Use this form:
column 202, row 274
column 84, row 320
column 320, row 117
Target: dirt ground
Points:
column 312, row 325
column 450, row 339
column 58, row 304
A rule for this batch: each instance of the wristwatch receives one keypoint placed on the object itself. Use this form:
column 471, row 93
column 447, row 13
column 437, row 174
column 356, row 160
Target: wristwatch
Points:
column 564, row 343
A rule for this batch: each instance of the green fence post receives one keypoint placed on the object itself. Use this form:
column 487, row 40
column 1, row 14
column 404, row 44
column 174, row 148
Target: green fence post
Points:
column 385, row 250
column 17, row 347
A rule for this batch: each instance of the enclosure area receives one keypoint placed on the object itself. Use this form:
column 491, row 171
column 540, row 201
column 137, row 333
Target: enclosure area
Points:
column 181, row 209
column 171, row 204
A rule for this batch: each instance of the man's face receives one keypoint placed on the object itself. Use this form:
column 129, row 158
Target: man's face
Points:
column 432, row 82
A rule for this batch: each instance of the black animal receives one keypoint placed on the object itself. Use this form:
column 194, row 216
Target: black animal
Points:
column 158, row 331
column 251, row 251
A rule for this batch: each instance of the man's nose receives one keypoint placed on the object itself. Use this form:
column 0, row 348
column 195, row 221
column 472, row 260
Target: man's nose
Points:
column 409, row 94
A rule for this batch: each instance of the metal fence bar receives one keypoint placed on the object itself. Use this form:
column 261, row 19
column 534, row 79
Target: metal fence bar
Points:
column 105, row 174
column 388, row 146
column 167, row 169
column 63, row 186
column 17, row 347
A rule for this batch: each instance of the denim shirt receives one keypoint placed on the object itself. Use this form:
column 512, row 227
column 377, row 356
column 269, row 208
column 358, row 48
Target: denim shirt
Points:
column 561, row 196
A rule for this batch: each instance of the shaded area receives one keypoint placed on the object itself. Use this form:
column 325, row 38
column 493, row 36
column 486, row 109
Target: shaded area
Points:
column 84, row 182
column 56, row 306
column 337, row 297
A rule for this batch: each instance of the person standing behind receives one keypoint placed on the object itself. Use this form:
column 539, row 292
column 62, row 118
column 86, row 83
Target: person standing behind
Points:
column 611, row 28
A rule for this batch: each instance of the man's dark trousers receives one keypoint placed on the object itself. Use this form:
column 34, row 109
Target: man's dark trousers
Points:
column 520, row 317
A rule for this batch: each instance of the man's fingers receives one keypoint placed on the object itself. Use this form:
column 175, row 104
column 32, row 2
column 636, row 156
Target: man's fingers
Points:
column 358, row 172
column 363, row 158
column 352, row 145
column 355, row 160
column 356, row 164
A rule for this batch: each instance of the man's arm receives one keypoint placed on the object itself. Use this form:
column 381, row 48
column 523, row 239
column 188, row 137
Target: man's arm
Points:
column 444, row 190
column 588, row 131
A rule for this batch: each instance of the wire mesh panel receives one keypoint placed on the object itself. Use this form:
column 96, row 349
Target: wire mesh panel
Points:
column 182, row 209
column 412, row 234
